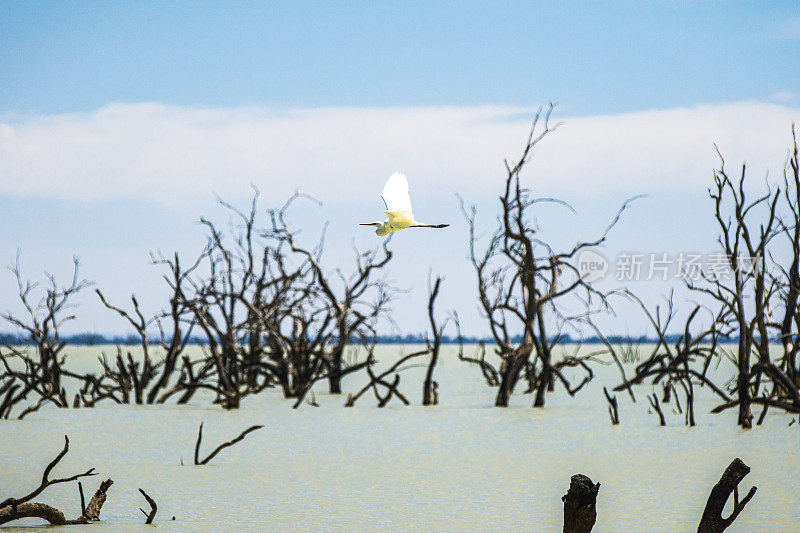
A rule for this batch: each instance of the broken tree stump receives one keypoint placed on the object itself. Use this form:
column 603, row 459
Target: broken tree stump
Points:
column 580, row 501
column 153, row 508
column 97, row 501
column 712, row 520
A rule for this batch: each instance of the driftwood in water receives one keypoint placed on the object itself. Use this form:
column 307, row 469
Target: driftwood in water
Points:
column 712, row 521
column 32, row 510
column 16, row 508
column 580, row 502
column 153, row 508
column 89, row 513
column 46, row 481
column 219, row 448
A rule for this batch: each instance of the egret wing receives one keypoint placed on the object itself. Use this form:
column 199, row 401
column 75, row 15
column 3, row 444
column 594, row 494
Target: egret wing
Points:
column 400, row 217
column 395, row 193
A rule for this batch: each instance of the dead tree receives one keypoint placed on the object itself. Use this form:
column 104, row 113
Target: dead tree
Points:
column 177, row 319
column 237, row 276
column 380, row 384
column 737, row 240
column 98, row 387
column 91, row 512
column 10, row 393
column 125, row 376
column 788, row 279
column 712, row 520
column 656, row 405
column 43, row 370
column 580, row 505
column 430, row 388
column 149, row 377
column 193, row 375
column 22, row 507
column 679, row 365
column 20, row 382
column 760, row 242
column 350, row 306
column 523, row 283
column 138, row 381
column 308, row 317
column 613, row 407
column 149, row 517
column 617, row 357
column 487, row 369
column 226, row 444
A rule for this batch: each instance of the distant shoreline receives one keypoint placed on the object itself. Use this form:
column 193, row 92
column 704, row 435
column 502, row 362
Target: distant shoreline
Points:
column 96, row 339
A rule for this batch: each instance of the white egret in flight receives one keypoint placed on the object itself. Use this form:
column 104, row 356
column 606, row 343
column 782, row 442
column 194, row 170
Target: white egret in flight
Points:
column 398, row 208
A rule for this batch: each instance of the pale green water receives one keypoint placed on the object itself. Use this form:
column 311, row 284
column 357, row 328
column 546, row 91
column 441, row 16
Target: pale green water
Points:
column 461, row 466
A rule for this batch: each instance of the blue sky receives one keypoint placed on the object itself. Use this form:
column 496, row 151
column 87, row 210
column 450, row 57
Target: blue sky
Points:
column 593, row 57
column 120, row 121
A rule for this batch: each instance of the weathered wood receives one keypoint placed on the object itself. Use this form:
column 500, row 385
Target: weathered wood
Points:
column 153, row 507
column 712, row 520
column 96, row 503
column 580, row 501
column 53, row 516
column 46, row 481
column 32, row 510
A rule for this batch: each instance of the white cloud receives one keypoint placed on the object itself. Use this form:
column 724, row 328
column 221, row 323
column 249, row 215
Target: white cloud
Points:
column 783, row 96
column 179, row 154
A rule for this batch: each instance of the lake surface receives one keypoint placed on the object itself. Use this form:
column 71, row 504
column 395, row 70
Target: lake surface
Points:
column 459, row 466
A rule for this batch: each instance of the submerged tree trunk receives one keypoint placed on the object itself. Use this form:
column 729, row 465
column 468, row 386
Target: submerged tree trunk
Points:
column 743, row 388
column 32, row 510
column 712, row 521
column 335, row 383
column 580, row 501
column 335, row 371
column 546, row 377
column 743, row 358
column 509, row 374
column 430, row 388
